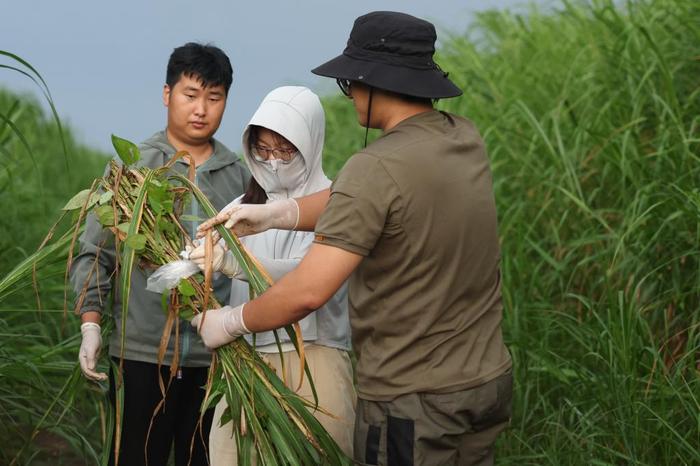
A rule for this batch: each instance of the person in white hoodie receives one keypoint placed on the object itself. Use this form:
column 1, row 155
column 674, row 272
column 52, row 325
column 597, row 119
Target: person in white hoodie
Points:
column 283, row 145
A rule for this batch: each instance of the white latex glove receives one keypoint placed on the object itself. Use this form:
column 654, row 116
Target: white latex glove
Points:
column 221, row 326
column 90, row 351
column 248, row 219
column 222, row 260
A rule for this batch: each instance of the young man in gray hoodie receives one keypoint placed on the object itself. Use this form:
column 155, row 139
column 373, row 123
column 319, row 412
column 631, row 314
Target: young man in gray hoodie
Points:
column 197, row 83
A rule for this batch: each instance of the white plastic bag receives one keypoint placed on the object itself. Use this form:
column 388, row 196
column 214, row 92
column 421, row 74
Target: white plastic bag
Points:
column 167, row 276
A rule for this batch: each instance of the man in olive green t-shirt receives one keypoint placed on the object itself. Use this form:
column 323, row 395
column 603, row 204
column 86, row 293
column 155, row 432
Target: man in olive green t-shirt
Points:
column 411, row 220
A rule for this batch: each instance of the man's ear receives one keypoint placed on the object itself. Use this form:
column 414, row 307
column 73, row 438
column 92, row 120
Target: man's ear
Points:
column 166, row 95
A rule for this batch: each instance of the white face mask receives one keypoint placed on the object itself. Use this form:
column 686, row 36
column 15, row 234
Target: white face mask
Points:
column 279, row 177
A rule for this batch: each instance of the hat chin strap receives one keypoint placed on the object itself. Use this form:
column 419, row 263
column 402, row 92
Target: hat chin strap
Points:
column 369, row 112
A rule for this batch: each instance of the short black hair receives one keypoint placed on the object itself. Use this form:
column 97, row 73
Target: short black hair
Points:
column 205, row 62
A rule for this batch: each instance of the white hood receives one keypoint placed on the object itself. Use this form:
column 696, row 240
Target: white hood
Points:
column 295, row 113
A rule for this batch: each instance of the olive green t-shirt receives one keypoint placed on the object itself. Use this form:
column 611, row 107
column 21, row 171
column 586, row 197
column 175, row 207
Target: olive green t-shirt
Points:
column 425, row 301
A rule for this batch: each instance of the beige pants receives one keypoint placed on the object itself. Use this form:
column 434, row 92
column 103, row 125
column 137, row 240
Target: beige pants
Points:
column 332, row 374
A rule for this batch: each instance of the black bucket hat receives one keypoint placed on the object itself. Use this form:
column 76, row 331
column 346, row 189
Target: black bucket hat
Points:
column 392, row 51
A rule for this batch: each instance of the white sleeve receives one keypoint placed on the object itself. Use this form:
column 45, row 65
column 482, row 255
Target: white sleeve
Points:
column 233, row 203
column 278, row 268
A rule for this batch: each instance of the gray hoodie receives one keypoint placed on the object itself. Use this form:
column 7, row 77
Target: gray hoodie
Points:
column 222, row 177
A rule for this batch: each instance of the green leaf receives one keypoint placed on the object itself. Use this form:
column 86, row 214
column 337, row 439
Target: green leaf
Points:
column 165, row 226
column 186, row 313
column 185, row 288
column 136, row 242
column 165, row 301
column 225, row 417
column 160, row 198
column 186, row 302
column 123, row 227
column 79, row 200
column 105, row 215
column 155, row 205
column 126, row 150
column 106, row 197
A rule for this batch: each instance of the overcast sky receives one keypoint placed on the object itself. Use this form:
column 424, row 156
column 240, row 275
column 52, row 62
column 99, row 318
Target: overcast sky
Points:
column 105, row 62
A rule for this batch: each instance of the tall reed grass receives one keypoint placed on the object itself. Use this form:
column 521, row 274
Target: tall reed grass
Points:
column 47, row 413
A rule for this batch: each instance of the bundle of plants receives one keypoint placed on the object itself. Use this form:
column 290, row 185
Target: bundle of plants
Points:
column 272, row 425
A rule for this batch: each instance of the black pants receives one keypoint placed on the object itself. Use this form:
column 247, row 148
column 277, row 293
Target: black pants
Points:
column 175, row 425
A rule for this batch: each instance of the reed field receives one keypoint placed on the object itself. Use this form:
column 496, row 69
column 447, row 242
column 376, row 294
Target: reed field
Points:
column 46, row 411
column 591, row 115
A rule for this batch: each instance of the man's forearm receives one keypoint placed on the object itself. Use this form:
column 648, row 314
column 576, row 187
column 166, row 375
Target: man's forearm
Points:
column 303, row 290
column 310, row 209
column 280, row 305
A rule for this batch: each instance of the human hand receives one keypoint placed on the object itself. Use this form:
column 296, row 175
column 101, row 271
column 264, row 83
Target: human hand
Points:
column 248, row 219
column 90, row 351
column 220, row 326
column 222, row 260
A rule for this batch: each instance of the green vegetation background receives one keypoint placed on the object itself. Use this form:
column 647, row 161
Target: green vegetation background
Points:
column 591, row 115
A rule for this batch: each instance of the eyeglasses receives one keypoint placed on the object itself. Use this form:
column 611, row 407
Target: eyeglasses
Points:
column 344, row 85
column 279, row 153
